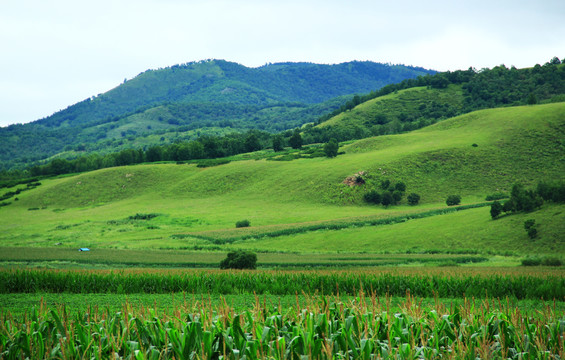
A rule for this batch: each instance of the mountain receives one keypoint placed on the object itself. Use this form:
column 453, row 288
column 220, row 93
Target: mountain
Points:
column 185, row 101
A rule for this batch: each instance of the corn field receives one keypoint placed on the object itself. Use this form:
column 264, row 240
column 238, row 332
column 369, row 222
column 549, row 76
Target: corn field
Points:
column 286, row 283
column 320, row 328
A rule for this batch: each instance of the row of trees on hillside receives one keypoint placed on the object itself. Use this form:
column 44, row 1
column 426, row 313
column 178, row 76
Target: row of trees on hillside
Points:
column 207, row 147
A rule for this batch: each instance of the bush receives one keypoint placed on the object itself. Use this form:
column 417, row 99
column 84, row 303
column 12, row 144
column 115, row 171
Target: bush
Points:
column 413, row 199
column 549, row 261
column 453, row 200
column 531, row 228
column 372, row 197
column 396, row 196
column 400, row 186
column 531, row 262
column 239, row 259
column 242, row 223
column 495, row 209
column 387, row 199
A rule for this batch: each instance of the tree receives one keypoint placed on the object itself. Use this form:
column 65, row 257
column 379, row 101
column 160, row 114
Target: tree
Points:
column 252, row 143
column 453, row 200
column 400, row 186
column 532, row 99
column 239, row 259
column 278, row 143
column 331, row 148
column 495, row 209
column 413, row 199
column 386, row 199
column 295, row 140
column 153, row 154
column 396, row 196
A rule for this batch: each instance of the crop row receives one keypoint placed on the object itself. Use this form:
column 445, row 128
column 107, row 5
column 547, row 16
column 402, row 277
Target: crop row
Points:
column 359, row 329
column 232, row 235
column 283, row 283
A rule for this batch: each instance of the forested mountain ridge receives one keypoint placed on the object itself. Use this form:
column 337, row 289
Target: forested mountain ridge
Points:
column 201, row 97
column 415, row 103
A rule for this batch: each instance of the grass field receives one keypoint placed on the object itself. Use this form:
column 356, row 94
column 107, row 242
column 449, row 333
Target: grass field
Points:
column 522, row 144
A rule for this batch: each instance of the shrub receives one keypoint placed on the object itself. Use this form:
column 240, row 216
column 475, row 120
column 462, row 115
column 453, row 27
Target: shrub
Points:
column 239, row 259
column 531, row 262
column 242, row 223
column 396, row 196
column 143, row 216
column 453, row 200
column 496, row 196
column 387, row 199
column 531, row 228
column 495, row 209
column 400, row 186
column 413, row 199
column 549, row 261
column 372, row 197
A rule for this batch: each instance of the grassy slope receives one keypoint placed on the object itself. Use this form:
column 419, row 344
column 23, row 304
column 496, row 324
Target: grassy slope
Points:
column 514, row 144
column 410, row 103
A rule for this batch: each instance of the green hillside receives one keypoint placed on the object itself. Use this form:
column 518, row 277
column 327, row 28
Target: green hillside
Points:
column 472, row 155
column 416, row 103
column 167, row 104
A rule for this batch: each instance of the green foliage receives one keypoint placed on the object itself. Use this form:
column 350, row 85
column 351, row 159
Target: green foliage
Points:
column 400, row 186
column 495, row 209
column 242, row 223
column 531, row 262
column 239, row 259
column 372, row 197
column 546, row 261
column 413, row 199
column 531, row 228
column 551, row 191
column 416, row 103
column 324, row 328
column 252, row 143
column 522, row 200
column 453, row 200
column 425, row 284
column 295, row 140
column 331, row 148
column 387, row 199
column 551, row 261
column 278, row 143
column 143, row 216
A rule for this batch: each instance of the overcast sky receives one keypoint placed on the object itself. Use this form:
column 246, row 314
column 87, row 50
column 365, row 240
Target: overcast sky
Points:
column 55, row 53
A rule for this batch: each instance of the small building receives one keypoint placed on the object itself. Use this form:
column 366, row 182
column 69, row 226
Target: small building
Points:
column 84, row 249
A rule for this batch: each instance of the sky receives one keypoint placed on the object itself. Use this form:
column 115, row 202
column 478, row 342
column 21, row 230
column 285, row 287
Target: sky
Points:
column 56, row 53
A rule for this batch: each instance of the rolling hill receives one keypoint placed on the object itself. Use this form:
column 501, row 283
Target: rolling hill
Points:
column 186, row 101
column 473, row 155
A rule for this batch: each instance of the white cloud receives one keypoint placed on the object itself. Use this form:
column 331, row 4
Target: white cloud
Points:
column 59, row 52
